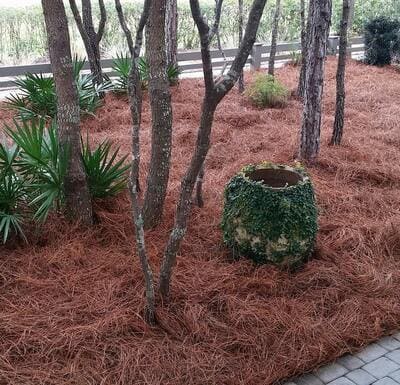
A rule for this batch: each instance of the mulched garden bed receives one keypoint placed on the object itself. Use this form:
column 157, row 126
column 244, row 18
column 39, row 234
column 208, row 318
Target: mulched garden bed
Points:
column 71, row 301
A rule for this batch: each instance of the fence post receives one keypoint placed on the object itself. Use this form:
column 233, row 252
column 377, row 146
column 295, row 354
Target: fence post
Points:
column 255, row 63
column 333, row 42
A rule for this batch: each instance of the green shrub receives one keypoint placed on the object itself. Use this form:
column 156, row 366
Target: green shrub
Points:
column 122, row 66
column 173, row 72
column 13, row 195
column 107, row 176
column 295, row 58
column 32, row 173
column 381, row 40
column 270, row 214
column 267, row 91
column 36, row 96
column 40, row 164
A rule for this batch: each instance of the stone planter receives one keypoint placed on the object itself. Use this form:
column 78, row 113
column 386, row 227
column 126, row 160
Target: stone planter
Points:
column 270, row 214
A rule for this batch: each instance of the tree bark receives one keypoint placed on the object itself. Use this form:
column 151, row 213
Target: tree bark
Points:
column 240, row 22
column 135, row 101
column 171, row 36
column 311, row 124
column 274, row 38
column 77, row 196
column 214, row 93
column 304, row 45
column 340, row 76
column 161, row 113
column 90, row 37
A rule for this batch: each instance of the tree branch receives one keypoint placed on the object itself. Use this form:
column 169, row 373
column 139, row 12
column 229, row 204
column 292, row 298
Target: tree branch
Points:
column 102, row 23
column 142, row 24
column 215, row 28
column 241, row 57
column 124, row 26
column 204, row 30
column 79, row 23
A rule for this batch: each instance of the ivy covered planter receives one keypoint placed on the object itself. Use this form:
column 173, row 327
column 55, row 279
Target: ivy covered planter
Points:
column 270, row 214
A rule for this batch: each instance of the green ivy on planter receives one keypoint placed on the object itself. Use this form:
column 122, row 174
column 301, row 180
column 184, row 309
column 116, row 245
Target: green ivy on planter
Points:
column 266, row 224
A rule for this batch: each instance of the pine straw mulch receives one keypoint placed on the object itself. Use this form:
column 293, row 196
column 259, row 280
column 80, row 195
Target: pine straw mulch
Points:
column 71, row 301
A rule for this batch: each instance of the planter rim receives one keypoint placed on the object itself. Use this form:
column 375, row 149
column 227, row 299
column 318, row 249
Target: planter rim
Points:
column 297, row 169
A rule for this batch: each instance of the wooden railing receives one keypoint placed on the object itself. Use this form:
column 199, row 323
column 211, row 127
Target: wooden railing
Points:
column 190, row 61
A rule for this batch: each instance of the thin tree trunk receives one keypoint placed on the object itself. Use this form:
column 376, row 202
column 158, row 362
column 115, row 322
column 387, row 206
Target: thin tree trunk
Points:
column 350, row 23
column 124, row 26
column 275, row 29
column 211, row 34
column 340, row 76
column 77, row 196
column 135, row 97
column 240, row 21
column 135, row 100
column 214, row 93
column 311, row 125
column 304, row 45
column 90, row 37
column 161, row 112
column 171, row 35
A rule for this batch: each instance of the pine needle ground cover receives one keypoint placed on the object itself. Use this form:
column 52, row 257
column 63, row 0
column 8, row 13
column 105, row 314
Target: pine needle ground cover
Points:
column 70, row 303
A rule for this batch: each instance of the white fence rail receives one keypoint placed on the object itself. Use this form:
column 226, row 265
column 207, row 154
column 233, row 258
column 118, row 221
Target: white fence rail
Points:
column 190, row 61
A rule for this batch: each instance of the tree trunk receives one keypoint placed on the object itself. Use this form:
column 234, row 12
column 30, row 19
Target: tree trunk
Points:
column 77, row 196
column 161, row 113
column 340, row 76
column 171, row 35
column 214, row 93
column 240, row 22
column 90, row 38
column 274, row 38
column 135, row 101
column 304, row 45
column 135, row 98
column 311, row 125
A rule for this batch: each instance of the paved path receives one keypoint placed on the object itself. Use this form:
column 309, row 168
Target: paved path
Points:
column 377, row 364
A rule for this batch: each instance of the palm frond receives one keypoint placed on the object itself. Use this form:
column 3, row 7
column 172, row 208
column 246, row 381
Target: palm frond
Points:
column 40, row 163
column 107, row 176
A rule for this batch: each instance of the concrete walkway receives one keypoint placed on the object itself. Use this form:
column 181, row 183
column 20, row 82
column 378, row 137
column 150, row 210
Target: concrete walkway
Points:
column 377, row 364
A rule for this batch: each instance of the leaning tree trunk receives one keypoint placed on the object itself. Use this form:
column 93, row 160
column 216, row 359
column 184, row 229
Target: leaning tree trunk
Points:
column 77, row 197
column 274, row 38
column 90, row 37
column 161, row 113
column 311, row 125
column 304, row 45
column 171, row 32
column 340, row 76
column 214, row 93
